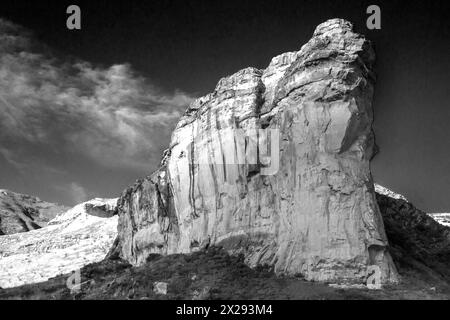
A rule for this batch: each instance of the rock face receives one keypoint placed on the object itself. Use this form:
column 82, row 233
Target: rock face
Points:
column 21, row 213
column 70, row 241
column 274, row 164
column 103, row 210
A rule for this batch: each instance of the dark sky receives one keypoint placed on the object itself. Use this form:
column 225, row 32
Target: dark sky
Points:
column 187, row 46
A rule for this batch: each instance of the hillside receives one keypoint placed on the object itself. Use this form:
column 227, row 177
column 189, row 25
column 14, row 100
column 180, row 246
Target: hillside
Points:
column 71, row 240
column 22, row 213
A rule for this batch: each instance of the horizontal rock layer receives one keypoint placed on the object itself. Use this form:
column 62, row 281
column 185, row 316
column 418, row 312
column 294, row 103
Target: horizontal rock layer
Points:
column 274, row 164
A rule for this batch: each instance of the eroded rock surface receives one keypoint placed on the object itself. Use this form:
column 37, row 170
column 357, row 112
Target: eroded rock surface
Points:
column 21, row 213
column 70, row 241
column 306, row 206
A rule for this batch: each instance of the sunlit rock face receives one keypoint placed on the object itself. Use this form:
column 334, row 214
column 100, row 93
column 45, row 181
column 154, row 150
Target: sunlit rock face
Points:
column 273, row 164
column 70, row 241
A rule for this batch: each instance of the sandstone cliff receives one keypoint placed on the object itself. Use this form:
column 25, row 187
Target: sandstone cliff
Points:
column 274, row 164
column 21, row 213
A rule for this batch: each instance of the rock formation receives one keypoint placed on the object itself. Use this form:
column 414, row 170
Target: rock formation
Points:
column 274, row 164
column 70, row 241
column 21, row 213
column 103, row 210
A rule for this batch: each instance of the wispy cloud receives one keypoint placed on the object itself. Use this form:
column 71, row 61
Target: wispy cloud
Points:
column 112, row 116
column 78, row 193
column 11, row 159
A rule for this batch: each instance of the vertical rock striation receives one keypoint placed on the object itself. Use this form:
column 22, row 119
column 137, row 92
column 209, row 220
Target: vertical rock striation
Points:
column 274, row 164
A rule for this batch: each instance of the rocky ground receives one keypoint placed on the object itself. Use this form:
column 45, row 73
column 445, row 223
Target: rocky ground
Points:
column 212, row 274
column 419, row 245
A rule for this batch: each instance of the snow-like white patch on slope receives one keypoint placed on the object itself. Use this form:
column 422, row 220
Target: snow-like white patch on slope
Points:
column 442, row 218
column 71, row 240
column 387, row 192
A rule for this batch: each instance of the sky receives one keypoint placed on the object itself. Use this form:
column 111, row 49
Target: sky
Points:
column 84, row 113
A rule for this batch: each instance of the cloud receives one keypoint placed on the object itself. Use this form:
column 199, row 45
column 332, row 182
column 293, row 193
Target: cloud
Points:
column 112, row 116
column 78, row 193
column 11, row 159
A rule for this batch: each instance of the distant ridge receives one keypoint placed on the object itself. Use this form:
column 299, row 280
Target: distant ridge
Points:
column 21, row 213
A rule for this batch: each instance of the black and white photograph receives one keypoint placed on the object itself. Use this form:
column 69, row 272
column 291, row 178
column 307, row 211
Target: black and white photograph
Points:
column 245, row 152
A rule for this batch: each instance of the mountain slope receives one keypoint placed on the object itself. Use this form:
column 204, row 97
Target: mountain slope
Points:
column 442, row 218
column 70, row 241
column 420, row 246
column 21, row 213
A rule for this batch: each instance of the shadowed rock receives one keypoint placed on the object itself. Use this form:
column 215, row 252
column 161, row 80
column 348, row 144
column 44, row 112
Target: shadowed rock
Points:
column 104, row 210
column 22, row 213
